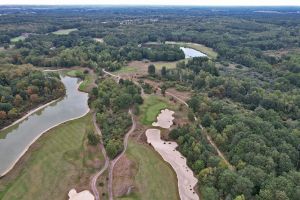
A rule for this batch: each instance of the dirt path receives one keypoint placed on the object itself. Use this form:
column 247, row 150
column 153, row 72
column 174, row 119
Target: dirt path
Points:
column 220, row 154
column 114, row 161
column 96, row 176
column 113, row 75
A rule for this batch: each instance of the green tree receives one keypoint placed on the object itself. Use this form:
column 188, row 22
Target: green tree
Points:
column 206, row 120
column 151, row 69
column 163, row 71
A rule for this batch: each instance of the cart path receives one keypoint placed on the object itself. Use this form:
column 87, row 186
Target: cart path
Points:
column 98, row 174
column 114, row 161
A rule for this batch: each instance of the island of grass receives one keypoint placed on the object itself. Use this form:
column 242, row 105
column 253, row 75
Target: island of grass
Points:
column 19, row 38
column 155, row 179
column 57, row 162
column 64, row 31
column 151, row 108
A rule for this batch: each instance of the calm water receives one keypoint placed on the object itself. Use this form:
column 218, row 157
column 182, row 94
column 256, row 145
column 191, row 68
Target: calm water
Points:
column 18, row 138
column 191, row 53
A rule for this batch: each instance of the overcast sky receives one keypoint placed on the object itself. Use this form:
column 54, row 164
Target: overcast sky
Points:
column 155, row 2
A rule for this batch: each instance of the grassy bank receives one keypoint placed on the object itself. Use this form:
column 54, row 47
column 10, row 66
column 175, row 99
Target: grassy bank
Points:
column 204, row 49
column 88, row 79
column 57, row 162
column 151, row 108
column 155, row 179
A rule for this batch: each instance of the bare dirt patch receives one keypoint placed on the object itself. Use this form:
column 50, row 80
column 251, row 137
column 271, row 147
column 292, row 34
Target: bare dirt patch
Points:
column 123, row 181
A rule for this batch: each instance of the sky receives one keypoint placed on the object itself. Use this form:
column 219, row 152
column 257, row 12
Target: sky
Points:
column 156, row 2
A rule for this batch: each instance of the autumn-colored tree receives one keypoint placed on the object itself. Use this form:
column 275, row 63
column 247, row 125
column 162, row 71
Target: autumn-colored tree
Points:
column 18, row 100
column 2, row 114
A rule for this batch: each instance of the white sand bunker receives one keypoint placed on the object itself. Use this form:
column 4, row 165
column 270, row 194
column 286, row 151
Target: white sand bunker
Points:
column 185, row 176
column 84, row 195
column 164, row 119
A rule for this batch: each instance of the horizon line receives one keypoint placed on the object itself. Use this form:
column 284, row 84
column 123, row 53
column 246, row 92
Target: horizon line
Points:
column 153, row 5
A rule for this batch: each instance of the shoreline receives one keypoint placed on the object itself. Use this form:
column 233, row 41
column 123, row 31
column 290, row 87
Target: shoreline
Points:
column 30, row 112
column 36, row 138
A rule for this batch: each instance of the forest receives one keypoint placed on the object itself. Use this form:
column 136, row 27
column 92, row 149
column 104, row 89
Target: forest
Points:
column 111, row 102
column 247, row 98
column 22, row 88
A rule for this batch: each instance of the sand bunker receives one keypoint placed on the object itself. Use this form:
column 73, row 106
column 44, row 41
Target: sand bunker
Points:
column 84, row 195
column 185, row 176
column 164, row 119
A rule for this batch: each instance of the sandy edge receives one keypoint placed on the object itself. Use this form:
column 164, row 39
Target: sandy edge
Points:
column 35, row 139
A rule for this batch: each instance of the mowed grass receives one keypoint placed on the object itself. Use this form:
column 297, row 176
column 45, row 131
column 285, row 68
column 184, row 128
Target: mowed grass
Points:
column 155, row 179
column 151, row 108
column 16, row 39
column 53, row 167
column 64, row 31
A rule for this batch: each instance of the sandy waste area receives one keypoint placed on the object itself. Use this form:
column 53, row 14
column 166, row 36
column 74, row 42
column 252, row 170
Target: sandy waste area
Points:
column 164, row 119
column 185, row 176
column 84, row 195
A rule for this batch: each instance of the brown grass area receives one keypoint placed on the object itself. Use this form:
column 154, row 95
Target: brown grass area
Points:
column 123, row 180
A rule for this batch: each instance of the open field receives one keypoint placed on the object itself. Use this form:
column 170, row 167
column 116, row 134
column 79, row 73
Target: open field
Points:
column 58, row 161
column 155, row 179
column 64, row 31
column 126, row 69
column 141, row 67
column 151, row 108
column 16, row 39
column 204, row 49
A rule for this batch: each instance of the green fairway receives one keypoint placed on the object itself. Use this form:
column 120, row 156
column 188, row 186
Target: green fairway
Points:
column 155, row 179
column 64, row 31
column 19, row 38
column 57, row 162
column 151, row 108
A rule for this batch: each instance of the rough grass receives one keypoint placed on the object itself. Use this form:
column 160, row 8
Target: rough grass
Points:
column 54, row 165
column 64, row 31
column 151, row 108
column 155, row 179
column 126, row 69
column 75, row 72
column 88, row 81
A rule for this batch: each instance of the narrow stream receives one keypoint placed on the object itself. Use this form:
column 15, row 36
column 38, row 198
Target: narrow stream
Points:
column 16, row 140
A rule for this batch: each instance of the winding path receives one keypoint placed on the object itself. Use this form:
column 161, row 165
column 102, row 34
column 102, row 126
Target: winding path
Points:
column 114, row 161
column 96, row 176
column 220, row 154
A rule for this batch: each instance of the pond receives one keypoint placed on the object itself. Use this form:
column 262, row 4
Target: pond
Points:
column 18, row 138
column 191, row 53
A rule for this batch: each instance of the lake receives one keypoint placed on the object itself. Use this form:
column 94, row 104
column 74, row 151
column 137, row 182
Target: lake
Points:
column 191, row 53
column 18, row 138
